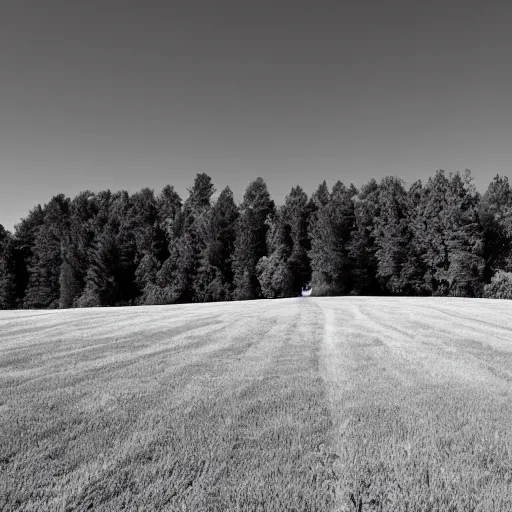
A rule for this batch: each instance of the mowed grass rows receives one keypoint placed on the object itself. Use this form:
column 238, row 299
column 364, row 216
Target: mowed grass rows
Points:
column 184, row 408
column 299, row 404
column 421, row 396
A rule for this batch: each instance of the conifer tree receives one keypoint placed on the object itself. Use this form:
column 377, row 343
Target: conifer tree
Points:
column 110, row 279
column 297, row 214
column 495, row 218
column 24, row 240
column 43, row 290
column 169, row 213
column 330, row 233
column 449, row 235
column 321, row 196
column 7, row 271
column 159, row 269
column 464, row 237
column 77, row 247
column 186, row 254
column 272, row 270
column 414, row 268
column 214, row 279
column 429, row 233
column 287, row 267
column 251, row 244
column 361, row 248
column 391, row 234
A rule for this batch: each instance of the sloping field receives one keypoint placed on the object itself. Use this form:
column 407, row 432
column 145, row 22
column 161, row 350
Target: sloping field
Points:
column 364, row 404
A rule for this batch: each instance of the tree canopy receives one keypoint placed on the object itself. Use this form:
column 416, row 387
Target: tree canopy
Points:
column 438, row 238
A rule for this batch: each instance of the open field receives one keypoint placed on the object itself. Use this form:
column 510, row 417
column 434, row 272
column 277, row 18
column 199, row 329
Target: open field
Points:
column 370, row 404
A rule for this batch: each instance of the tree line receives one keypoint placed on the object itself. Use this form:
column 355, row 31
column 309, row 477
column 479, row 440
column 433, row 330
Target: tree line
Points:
column 439, row 238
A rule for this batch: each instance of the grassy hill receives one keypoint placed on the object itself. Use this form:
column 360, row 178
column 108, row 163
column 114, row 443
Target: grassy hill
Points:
column 349, row 403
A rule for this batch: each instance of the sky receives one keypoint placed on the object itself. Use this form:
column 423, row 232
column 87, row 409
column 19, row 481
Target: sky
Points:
column 128, row 94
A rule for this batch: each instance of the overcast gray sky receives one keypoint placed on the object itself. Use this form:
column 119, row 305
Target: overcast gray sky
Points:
column 123, row 94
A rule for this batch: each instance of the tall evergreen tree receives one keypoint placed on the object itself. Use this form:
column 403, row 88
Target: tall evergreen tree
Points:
column 330, row 232
column 273, row 271
column 287, row 268
column 391, row 234
column 174, row 281
column 429, row 233
column 43, row 290
column 7, row 271
column 251, row 243
column 449, row 236
column 192, row 243
column 297, row 215
column 214, row 279
column 24, row 240
column 150, row 234
column 110, row 279
column 495, row 217
column 321, row 195
column 77, row 247
column 160, row 269
column 169, row 213
column 362, row 248
column 464, row 237
column 414, row 268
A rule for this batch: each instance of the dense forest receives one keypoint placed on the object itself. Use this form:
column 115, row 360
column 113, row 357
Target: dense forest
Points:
column 440, row 238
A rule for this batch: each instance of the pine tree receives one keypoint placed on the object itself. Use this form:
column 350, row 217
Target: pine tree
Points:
column 430, row 235
column 193, row 241
column 464, row 237
column 157, row 272
column 214, row 279
column 495, row 218
column 169, row 215
column 251, row 243
column 449, row 236
column 287, row 267
column 110, row 279
column 43, row 290
column 244, row 285
column 7, row 271
column 70, row 288
column 151, row 247
column 361, row 248
column 330, row 232
column 142, row 219
column 272, row 270
column 391, row 234
column 100, row 284
column 77, row 247
column 414, row 268
column 178, row 274
column 165, row 290
column 296, row 215
column 321, row 196
column 24, row 240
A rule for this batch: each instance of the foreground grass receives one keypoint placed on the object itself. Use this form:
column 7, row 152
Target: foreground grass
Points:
column 164, row 409
column 364, row 404
column 421, row 393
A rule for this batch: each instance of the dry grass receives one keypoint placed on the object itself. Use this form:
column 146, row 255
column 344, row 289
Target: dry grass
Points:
column 297, row 404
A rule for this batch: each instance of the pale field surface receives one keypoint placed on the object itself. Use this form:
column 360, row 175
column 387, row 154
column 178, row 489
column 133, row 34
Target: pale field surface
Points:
column 328, row 404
